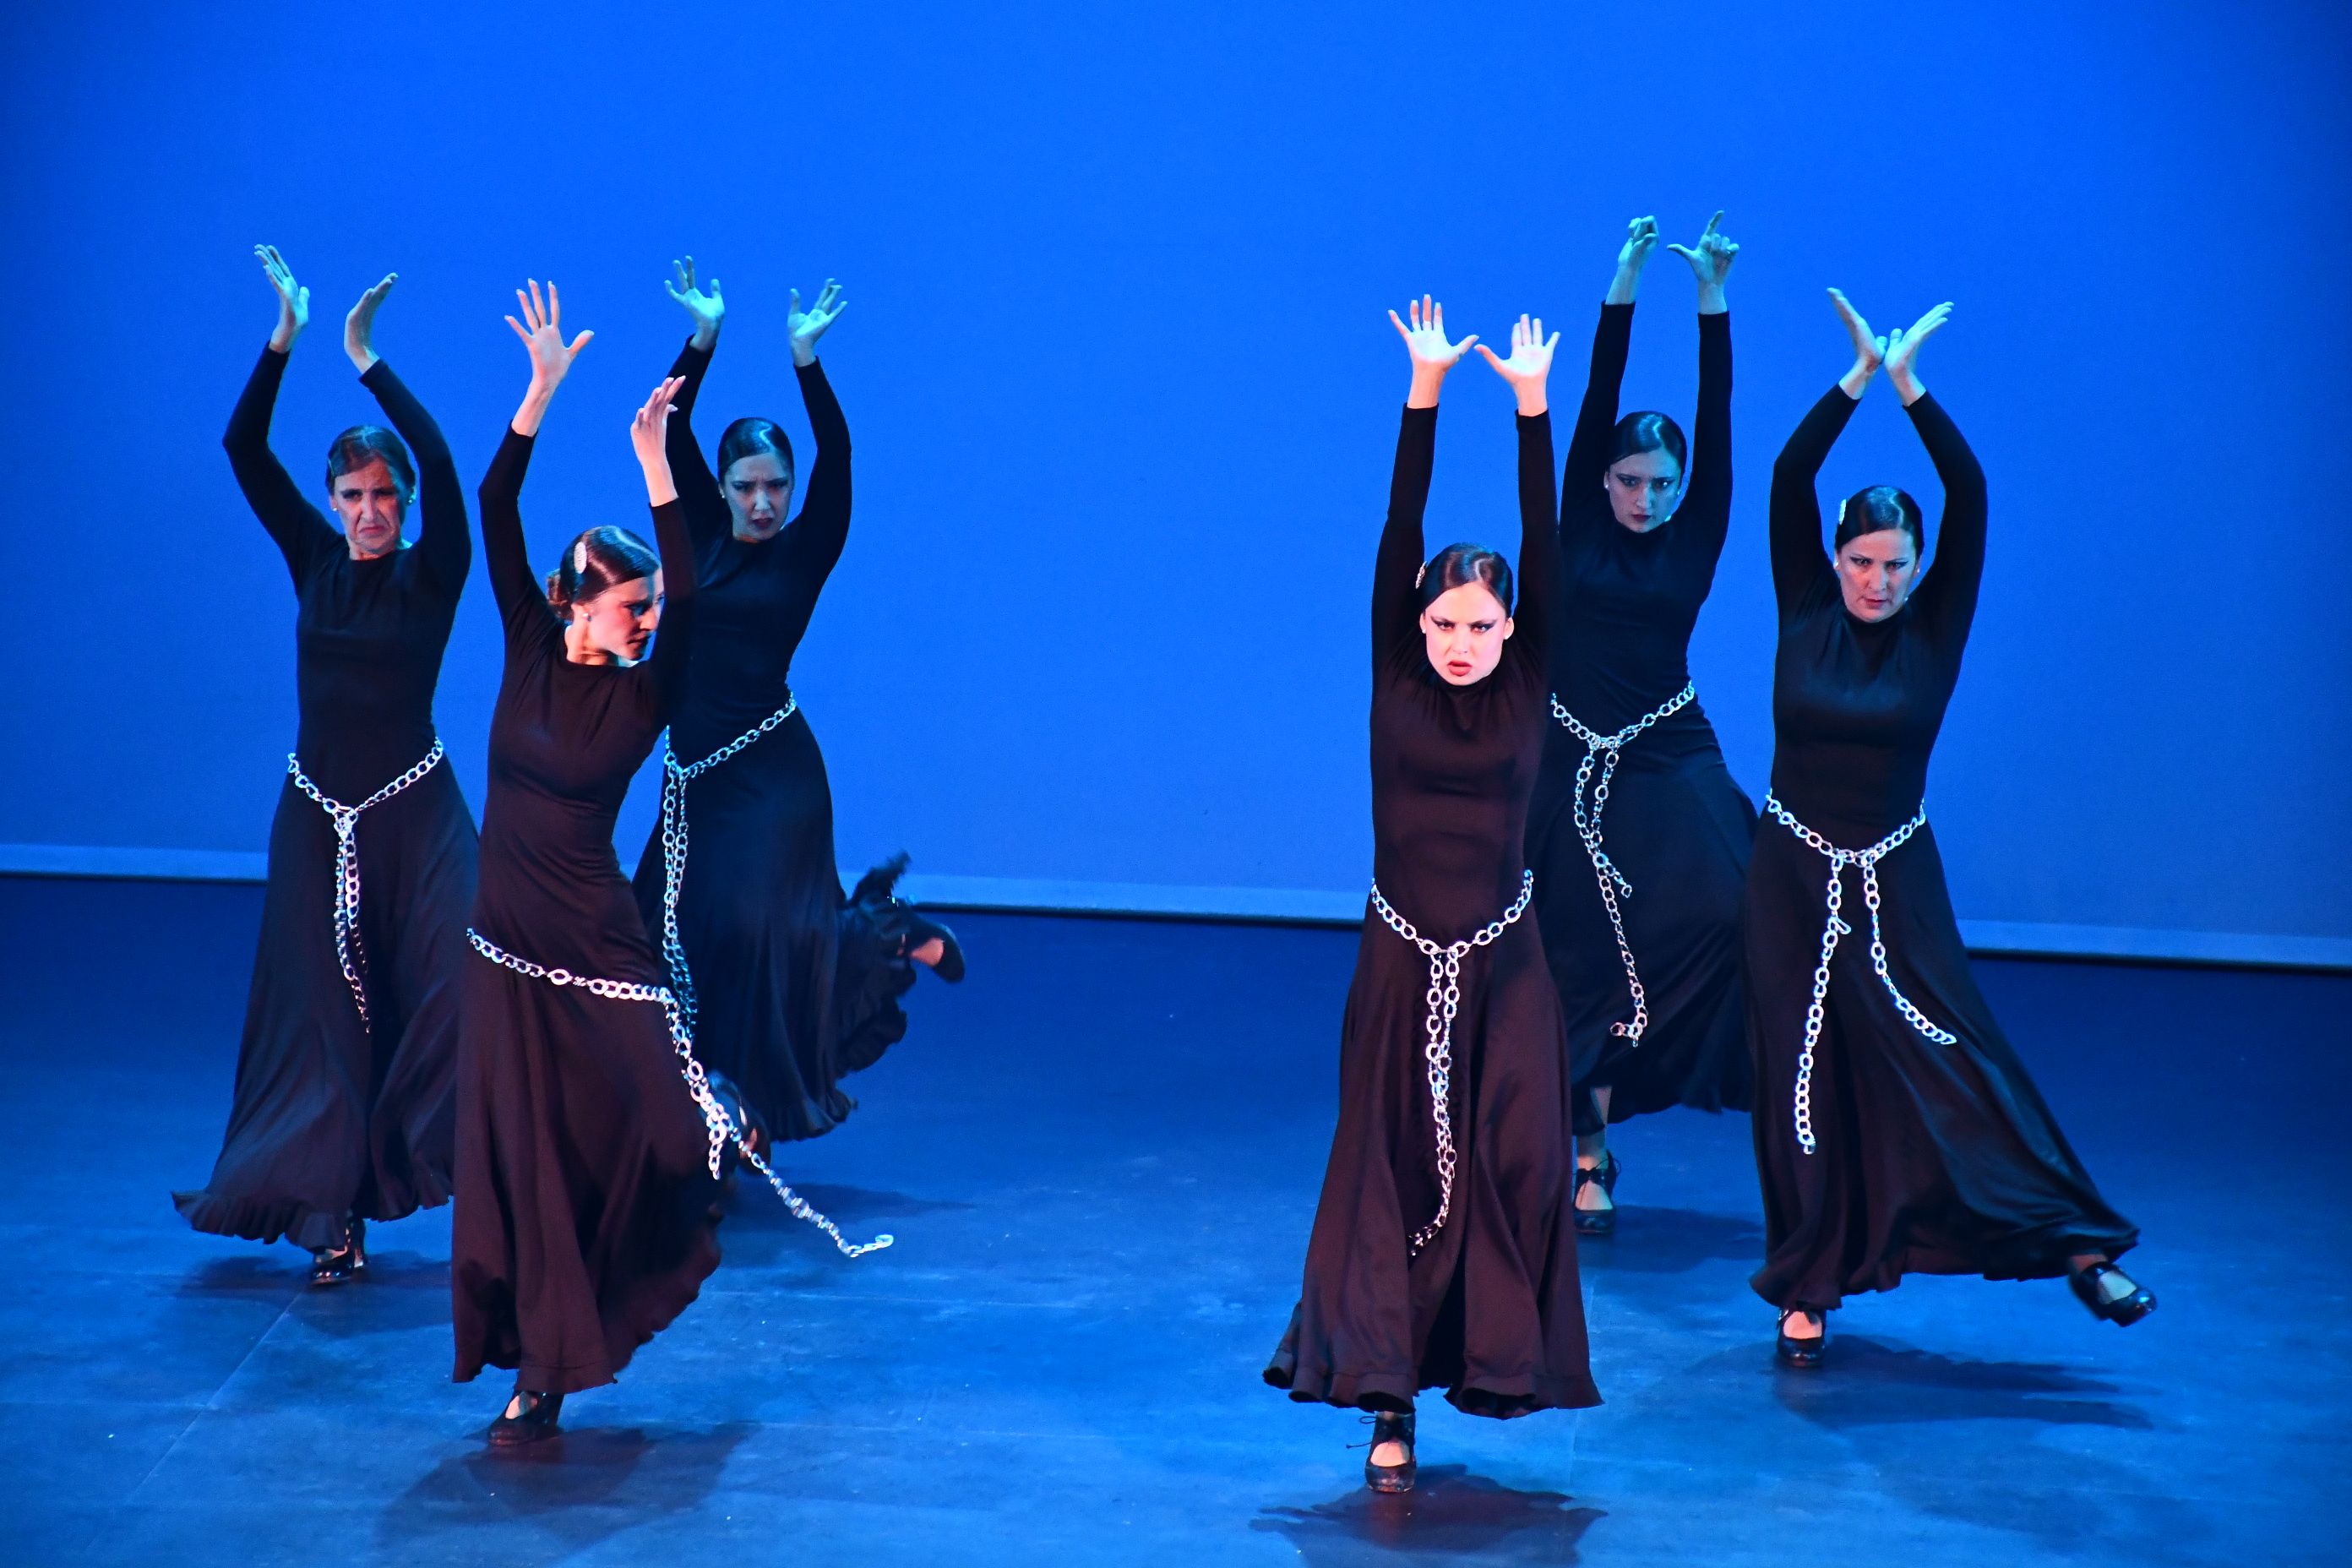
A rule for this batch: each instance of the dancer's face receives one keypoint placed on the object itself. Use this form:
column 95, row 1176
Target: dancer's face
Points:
column 1641, row 489
column 371, row 504
column 1465, row 629
column 618, row 623
column 758, row 490
column 1875, row 571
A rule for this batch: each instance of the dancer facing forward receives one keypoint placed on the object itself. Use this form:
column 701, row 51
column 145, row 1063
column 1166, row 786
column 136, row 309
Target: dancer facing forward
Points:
column 1443, row 1253
column 343, row 1107
column 788, row 987
column 1897, row 1132
column 587, row 1181
column 1635, row 795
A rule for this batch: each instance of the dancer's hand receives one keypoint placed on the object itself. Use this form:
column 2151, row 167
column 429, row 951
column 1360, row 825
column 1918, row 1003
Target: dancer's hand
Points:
column 293, row 299
column 1869, row 351
column 359, row 327
column 649, row 434
column 1710, row 262
column 1530, row 366
column 551, row 360
column 1433, row 355
column 1903, row 352
column 808, row 326
column 1641, row 238
column 704, row 305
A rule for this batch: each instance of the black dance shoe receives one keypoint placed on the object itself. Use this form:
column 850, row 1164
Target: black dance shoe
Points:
column 878, row 893
column 1392, row 1429
column 537, row 1419
column 1804, row 1354
column 2121, row 1311
column 1597, row 1222
column 333, row 1264
column 356, row 1240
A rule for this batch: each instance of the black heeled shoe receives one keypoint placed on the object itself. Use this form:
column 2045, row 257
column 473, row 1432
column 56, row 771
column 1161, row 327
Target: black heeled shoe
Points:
column 534, row 1421
column 357, row 1241
column 1597, row 1222
column 2121, row 1311
column 337, row 1265
column 878, row 892
column 1388, row 1427
column 1805, row 1354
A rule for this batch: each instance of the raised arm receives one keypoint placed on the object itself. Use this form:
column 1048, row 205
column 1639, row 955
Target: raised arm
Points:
column 298, row 529
column 1582, row 496
column 1705, row 515
column 444, row 540
column 1945, row 599
column 1528, row 371
column 1799, row 561
column 1399, row 562
column 817, row 535
column 707, row 519
column 522, row 603
column 650, row 437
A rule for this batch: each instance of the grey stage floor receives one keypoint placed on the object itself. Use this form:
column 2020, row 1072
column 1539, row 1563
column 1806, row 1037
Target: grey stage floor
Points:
column 1100, row 1158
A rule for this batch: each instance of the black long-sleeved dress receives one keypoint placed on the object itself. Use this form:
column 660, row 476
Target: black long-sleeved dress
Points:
column 1930, row 1159
column 332, row 1117
column 1676, row 825
column 796, row 985
column 1490, row 1310
column 586, row 1216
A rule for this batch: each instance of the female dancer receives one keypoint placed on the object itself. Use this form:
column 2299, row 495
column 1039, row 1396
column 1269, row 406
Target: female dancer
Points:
column 586, row 1183
column 341, row 1111
column 1650, row 985
column 1897, row 1132
column 1443, row 1253
column 787, row 985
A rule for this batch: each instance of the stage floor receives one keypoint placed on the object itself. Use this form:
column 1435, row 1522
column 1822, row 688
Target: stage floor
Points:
column 1100, row 1157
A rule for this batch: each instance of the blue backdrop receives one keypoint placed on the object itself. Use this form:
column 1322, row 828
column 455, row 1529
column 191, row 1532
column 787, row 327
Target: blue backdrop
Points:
column 1124, row 394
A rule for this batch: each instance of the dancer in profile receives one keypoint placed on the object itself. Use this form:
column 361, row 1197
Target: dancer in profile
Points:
column 1635, row 793
column 1897, row 1132
column 788, row 986
column 343, row 1112
column 1443, row 1253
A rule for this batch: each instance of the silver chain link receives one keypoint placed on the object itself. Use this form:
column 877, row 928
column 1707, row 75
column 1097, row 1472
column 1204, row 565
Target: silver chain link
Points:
column 1613, row 885
column 676, row 777
column 1840, row 860
column 722, row 1126
column 348, row 953
column 1445, row 1000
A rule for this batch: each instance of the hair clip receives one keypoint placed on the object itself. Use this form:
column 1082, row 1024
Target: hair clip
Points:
column 1420, row 575
column 580, row 559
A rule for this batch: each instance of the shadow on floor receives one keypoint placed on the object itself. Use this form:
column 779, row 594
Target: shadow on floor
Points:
column 575, row 1489
column 1450, row 1512
column 1670, row 1241
column 1869, row 1382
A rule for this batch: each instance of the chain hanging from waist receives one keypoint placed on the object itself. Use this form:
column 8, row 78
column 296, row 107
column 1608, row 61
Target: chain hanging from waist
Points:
column 1838, row 860
column 348, row 953
column 676, row 777
column 1444, row 1001
column 1603, row 751
column 714, row 1120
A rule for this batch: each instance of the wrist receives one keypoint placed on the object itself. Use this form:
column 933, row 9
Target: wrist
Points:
column 1533, row 400
column 1426, row 381
column 1624, row 286
column 282, row 339
column 660, row 489
column 1853, row 382
column 1711, row 302
column 803, row 354
column 363, row 359
column 1907, row 386
column 706, row 336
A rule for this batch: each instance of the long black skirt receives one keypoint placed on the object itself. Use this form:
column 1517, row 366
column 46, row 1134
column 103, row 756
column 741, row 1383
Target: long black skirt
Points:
column 587, row 1215
column 797, row 985
column 1491, row 1312
column 330, row 1117
column 1679, row 829
column 1930, row 1159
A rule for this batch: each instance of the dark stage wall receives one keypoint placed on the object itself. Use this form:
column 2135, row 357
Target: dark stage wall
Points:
column 1124, row 396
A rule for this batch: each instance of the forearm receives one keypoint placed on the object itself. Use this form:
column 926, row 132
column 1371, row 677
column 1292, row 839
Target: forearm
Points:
column 533, row 409
column 248, row 422
column 1400, row 554
column 1538, row 525
column 1623, row 286
column 503, row 549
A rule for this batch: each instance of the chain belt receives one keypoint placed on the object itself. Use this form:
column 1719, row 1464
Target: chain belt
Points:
column 715, row 1119
column 1840, row 860
column 349, row 954
column 1604, row 751
column 1444, row 999
column 676, row 777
